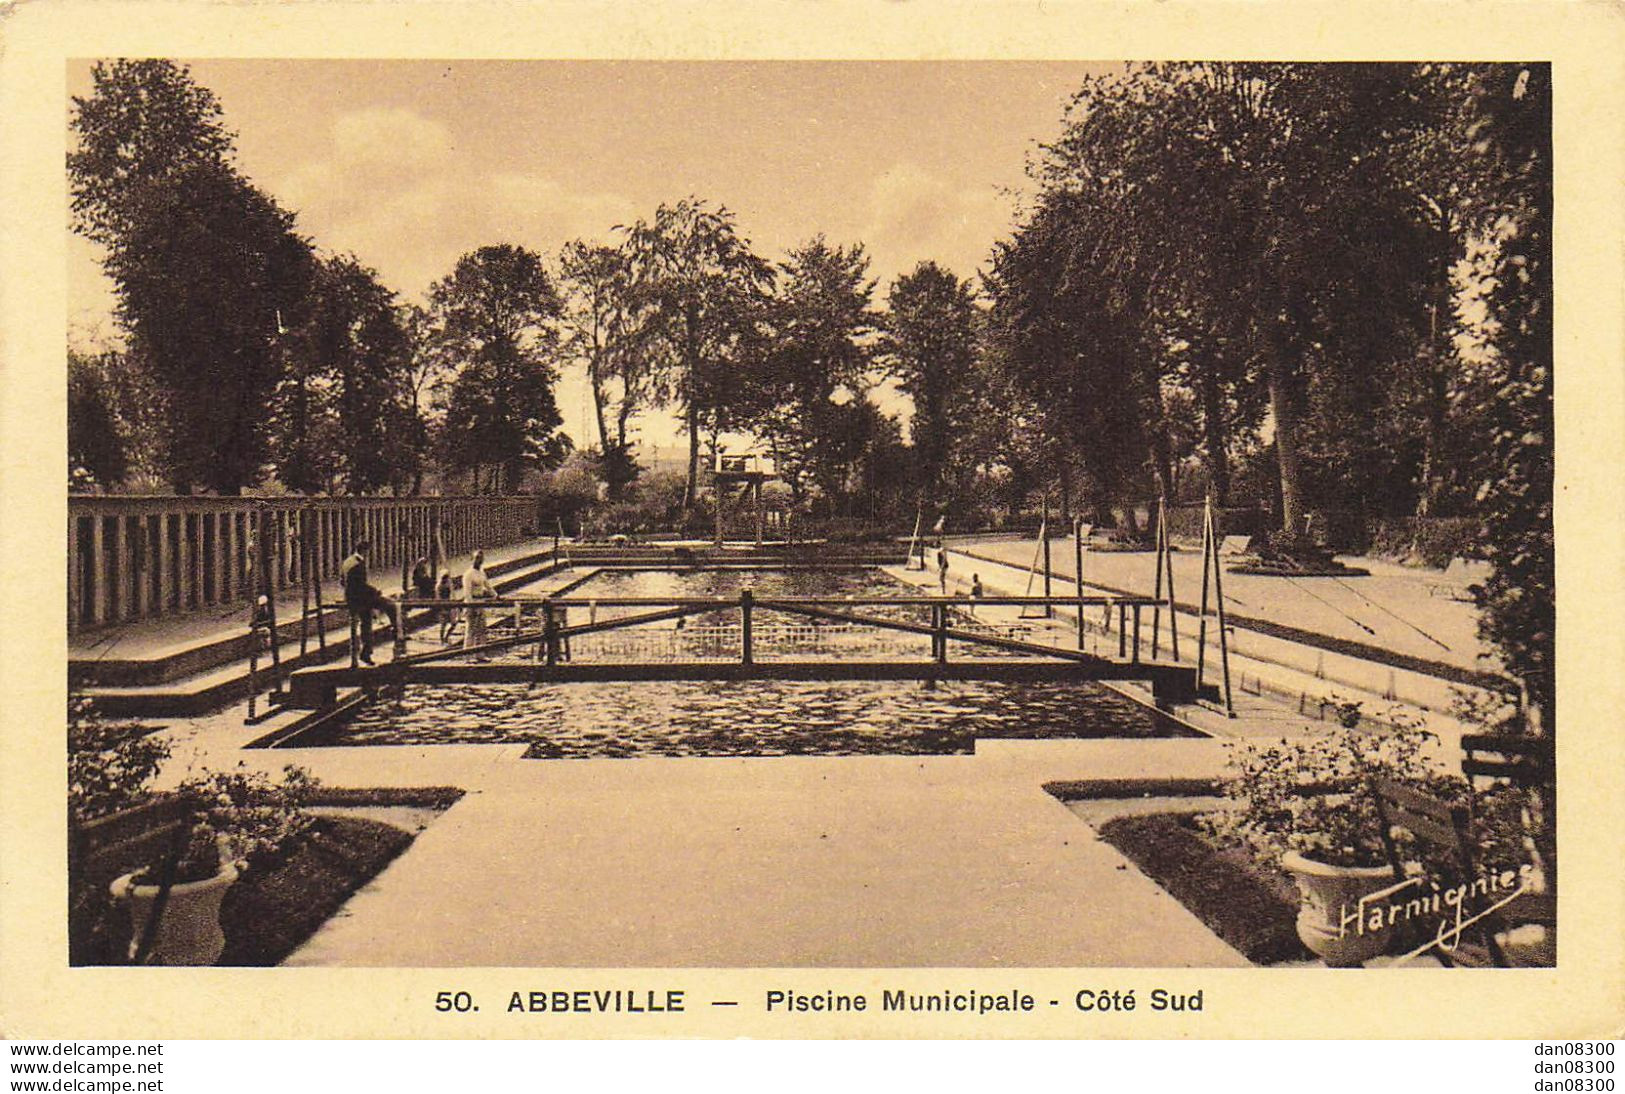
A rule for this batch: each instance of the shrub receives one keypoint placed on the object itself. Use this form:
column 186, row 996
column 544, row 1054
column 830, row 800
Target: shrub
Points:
column 109, row 763
column 1433, row 540
column 1310, row 795
column 246, row 815
column 243, row 815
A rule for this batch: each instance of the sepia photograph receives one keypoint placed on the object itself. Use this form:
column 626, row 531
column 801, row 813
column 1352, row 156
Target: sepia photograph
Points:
column 798, row 514
column 565, row 521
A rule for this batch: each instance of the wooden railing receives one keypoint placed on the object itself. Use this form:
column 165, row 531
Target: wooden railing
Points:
column 133, row 558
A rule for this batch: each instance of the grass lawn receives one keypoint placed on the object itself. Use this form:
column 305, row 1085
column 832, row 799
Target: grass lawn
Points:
column 1250, row 908
column 267, row 914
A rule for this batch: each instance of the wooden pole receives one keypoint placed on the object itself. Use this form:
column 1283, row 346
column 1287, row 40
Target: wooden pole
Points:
column 1156, row 610
column 746, row 655
column 1201, row 619
column 1043, row 535
column 716, row 494
column 1224, row 632
column 267, row 526
column 1077, row 572
column 1168, row 561
column 321, row 609
column 251, row 533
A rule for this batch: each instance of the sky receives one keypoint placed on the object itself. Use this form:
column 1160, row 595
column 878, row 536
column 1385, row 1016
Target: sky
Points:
column 409, row 164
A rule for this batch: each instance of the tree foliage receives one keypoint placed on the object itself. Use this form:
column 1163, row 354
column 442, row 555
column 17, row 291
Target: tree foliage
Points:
column 815, row 367
column 607, row 324
column 204, row 263
column 930, row 347
column 97, row 446
column 346, row 416
column 493, row 316
column 707, row 291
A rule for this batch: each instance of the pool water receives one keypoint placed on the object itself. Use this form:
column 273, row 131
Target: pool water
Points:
column 759, row 718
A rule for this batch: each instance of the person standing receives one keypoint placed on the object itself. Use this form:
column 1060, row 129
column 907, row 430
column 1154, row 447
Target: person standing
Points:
column 364, row 598
column 942, row 568
column 422, row 580
column 476, row 586
column 448, row 617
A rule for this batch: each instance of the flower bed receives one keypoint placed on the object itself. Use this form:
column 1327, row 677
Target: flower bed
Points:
column 1237, row 899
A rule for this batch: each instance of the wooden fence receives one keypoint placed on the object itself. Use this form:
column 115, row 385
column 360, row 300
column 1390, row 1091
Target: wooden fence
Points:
column 133, row 558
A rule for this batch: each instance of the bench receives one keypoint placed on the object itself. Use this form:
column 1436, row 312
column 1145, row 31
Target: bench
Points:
column 1442, row 827
column 1522, row 761
column 1445, row 828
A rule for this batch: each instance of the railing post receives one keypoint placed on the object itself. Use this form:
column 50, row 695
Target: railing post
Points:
column 939, row 621
column 1136, row 655
column 746, row 654
column 1122, row 630
column 122, row 556
column 98, row 569
column 550, row 631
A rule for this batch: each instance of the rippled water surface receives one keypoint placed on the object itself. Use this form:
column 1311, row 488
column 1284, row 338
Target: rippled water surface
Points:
column 759, row 718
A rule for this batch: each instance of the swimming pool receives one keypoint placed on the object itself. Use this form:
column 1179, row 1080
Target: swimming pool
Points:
column 759, row 718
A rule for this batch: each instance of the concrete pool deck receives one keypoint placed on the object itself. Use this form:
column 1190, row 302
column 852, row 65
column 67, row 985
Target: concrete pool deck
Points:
column 864, row 861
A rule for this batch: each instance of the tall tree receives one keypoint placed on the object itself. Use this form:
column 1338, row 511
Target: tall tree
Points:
column 1267, row 192
column 930, row 347
column 97, row 451
column 494, row 315
column 1075, row 347
column 204, row 279
column 817, row 364
column 204, row 263
column 347, row 405
column 146, row 125
column 1519, row 601
column 707, row 290
column 606, row 324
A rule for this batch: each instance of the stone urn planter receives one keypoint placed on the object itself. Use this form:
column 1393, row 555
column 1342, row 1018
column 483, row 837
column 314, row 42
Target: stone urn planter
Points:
column 189, row 930
column 1330, row 922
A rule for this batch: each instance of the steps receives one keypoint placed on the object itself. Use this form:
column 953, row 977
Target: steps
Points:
column 209, row 671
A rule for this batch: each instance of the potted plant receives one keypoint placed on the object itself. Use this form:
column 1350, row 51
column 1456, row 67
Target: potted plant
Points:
column 187, row 931
column 1304, row 806
column 240, row 819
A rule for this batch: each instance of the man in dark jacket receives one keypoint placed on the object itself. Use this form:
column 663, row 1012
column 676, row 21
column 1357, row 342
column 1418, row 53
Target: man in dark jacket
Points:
column 363, row 598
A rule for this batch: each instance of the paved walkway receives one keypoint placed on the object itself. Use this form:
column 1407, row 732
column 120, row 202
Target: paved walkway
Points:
column 1393, row 608
column 953, row 861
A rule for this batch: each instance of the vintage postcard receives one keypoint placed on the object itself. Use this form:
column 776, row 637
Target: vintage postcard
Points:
column 852, row 520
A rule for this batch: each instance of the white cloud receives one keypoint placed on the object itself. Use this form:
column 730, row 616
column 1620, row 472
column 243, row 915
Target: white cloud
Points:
column 391, row 139
column 915, row 215
column 393, row 191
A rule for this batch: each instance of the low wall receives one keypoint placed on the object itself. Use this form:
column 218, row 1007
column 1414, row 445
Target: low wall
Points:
column 132, row 558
